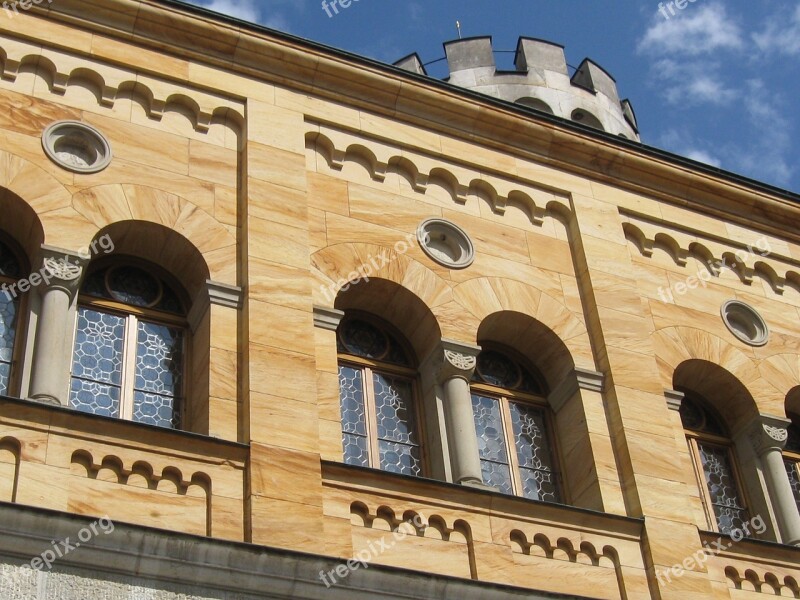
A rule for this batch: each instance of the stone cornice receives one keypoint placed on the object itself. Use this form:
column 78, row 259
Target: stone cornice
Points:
column 674, row 399
column 580, row 379
column 327, row 318
column 194, row 34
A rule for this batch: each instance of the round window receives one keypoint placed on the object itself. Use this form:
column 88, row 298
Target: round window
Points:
column 76, row 147
column 446, row 243
column 745, row 323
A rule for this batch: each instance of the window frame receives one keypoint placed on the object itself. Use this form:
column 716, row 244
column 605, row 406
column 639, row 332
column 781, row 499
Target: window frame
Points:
column 507, row 396
column 368, row 366
column 15, row 377
column 694, row 439
column 793, row 457
column 133, row 315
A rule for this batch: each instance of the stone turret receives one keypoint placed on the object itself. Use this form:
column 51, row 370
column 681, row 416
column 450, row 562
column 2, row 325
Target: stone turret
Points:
column 541, row 81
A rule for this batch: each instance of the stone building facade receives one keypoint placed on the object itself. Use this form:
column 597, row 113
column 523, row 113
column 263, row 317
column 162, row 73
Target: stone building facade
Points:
column 283, row 322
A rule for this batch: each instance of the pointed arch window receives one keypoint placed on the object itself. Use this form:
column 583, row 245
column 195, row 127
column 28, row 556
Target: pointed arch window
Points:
column 791, row 460
column 10, row 272
column 377, row 398
column 513, row 426
column 715, row 467
column 129, row 354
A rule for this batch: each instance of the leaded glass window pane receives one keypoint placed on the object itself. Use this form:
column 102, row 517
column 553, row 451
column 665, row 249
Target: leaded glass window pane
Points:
column 354, row 420
column 722, row 489
column 8, row 324
column 9, row 265
column 97, row 363
column 397, row 436
column 794, row 479
column 533, row 451
column 361, row 338
column 158, row 377
column 492, row 443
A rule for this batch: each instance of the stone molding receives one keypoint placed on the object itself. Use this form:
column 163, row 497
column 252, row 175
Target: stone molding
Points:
column 674, row 399
column 327, row 318
column 223, row 294
column 581, row 379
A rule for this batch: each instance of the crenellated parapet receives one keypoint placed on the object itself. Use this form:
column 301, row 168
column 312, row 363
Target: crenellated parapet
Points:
column 541, row 81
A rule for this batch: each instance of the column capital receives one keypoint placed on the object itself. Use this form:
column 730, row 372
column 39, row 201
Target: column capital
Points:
column 452, row 359
column 327, row 318
column 767, row 433
column 61, row 269
column 674, row 399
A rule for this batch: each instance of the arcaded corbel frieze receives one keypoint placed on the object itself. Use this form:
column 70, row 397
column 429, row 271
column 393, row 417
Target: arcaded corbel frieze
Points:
column 674, row 399
column 579, row 379
column 327, row 318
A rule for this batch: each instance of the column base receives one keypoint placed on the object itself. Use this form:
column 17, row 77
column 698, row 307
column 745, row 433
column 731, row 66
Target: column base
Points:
column 45, row 399
column 478, row 485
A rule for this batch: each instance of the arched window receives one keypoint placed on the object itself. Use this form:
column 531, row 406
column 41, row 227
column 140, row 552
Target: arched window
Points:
column 10, row 272
column 513, row 425
column 715, row 467
column 377, row 397
column 130, row 340
column 791, row 459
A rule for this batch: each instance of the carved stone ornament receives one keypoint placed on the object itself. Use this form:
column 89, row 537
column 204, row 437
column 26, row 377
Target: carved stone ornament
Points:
column 62, row 269
column 460, row 361
column 777, row 433
column 767, row 437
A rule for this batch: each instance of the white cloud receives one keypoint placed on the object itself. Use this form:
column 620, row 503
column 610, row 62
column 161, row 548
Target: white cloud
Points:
column 702, row 156
column 691, row 83
column 693, row 31
column 780, row 35
column 240, row 9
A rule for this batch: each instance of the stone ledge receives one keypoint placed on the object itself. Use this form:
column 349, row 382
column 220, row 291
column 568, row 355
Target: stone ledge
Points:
column 132, row 557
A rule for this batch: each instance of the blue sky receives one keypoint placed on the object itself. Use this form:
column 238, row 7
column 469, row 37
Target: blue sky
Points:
column 717, row 82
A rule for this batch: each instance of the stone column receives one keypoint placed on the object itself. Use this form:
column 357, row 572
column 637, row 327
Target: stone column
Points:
column 58, row 282
column 768, row 436
column 452, row 364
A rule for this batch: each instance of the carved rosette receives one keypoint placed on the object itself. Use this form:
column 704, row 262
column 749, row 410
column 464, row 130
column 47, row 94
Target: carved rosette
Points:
column 62, row 269
column 454, row 359
column 766, row 437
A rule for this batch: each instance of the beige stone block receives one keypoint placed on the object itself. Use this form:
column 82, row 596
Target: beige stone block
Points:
column 634, row 370
column 330, row 440
column 289, row 525
column 285, row 423
column 276, row 166
column 278, row 204
column 278, row 243
column 326, row 109
column 275, row 126
column 491, row 238
column 280, row 284
column 328, row 395
column 212, row 163
column 551, row 254
column 317, row 230
column 224, row 418
column 285, row 474
column 281, row 327
column 145, row 147
column 328, row 194
column 282, row 373
column 389, row 210
column 338, row 540
column 227, row 519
